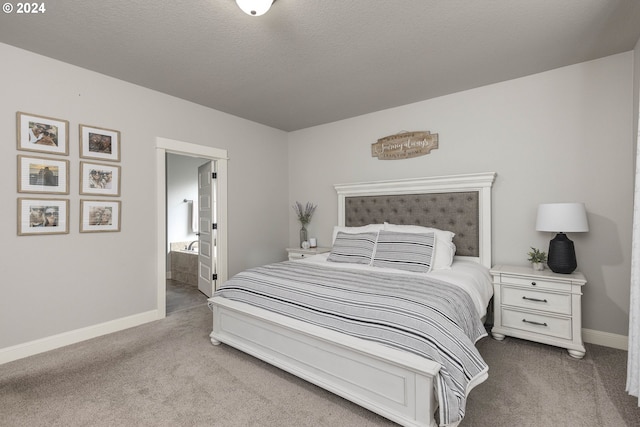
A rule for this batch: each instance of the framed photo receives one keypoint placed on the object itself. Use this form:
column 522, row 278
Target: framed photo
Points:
column 99, row 143
column 99, row 215
column 43, row 134
column 99, row 179
column 43, row 216
column 42, row 175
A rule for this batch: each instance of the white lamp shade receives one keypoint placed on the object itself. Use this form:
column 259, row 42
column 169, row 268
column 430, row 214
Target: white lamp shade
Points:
column 254, row 7
column 562, row 218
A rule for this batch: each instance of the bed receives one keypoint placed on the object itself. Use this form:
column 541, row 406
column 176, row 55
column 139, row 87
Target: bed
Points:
column 399, row 382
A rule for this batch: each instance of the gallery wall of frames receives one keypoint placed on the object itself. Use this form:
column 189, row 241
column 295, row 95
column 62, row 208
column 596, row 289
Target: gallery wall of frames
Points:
column 43, row 175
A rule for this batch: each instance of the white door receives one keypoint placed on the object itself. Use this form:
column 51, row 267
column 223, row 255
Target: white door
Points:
column 206, row 227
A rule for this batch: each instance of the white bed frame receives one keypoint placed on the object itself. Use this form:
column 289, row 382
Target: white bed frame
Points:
column 389, row 382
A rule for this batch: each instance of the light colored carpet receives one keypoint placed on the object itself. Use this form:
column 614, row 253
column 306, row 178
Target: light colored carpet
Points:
column 535, row 385
column 166, row 373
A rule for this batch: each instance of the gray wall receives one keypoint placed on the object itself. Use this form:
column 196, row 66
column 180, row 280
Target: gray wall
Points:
column 636, row 98
column 559, row 136
column 54, row 284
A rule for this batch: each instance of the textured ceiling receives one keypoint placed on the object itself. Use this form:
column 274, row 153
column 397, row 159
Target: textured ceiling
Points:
column 309, row 62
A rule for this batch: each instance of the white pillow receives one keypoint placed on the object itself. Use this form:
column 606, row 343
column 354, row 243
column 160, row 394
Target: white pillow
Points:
column 444, row 248
column 355, row 230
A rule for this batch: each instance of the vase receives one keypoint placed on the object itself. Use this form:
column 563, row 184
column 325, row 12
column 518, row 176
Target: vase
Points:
column 303, row 235
column 538, row 266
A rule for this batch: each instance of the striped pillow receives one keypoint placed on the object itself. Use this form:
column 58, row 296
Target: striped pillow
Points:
column 353, row 248
column 405, row 251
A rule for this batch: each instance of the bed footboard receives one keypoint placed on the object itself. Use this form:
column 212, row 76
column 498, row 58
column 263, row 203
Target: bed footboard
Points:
column 389, row 382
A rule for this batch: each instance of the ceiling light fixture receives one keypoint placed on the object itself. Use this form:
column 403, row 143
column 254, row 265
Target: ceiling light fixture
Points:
column 255, row 7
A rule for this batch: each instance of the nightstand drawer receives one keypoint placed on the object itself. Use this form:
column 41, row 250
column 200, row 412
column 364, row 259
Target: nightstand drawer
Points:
column 537, row 323
column 297, row 255
column 535, row 283
column 547, row 301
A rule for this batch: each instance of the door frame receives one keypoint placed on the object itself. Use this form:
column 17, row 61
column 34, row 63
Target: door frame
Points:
column 164, row 146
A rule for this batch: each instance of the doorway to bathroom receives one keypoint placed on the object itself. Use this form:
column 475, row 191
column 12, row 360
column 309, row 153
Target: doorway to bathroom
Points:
column 192, row 249
column 190, row 237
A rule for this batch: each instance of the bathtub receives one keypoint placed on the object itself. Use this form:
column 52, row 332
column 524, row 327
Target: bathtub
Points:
column 184, row 263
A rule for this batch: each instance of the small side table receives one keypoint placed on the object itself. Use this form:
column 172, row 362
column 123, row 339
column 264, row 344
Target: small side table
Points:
column 540, row 306
column 299, row 253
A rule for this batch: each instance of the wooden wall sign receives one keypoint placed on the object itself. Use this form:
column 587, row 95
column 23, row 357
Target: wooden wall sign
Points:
column 404, row 145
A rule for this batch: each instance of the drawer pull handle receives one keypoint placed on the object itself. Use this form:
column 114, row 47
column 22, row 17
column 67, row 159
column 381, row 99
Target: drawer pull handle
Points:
column 534, row 299
column 533, row 283
column 534, row 323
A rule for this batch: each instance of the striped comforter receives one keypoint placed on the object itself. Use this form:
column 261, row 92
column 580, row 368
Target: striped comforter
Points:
column 414, row 313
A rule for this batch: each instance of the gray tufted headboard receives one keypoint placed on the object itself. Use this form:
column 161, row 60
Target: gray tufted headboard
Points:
column 457, row 212
column 458, row 203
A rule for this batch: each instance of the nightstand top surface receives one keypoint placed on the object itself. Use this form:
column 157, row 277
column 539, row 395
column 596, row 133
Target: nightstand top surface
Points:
column 310, row 251
column 528, row 271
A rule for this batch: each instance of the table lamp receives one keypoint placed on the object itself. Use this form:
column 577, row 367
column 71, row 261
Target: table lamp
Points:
column 562, row 218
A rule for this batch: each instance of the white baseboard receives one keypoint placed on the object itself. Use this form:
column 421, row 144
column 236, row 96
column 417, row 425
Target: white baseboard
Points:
column 31, row 348
column 606, row 339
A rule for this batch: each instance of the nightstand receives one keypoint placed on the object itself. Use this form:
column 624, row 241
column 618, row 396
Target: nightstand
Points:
column 299, row 253
column 540, row 306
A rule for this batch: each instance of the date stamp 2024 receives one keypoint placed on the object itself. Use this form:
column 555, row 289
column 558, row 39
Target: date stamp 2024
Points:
column 24, row 8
